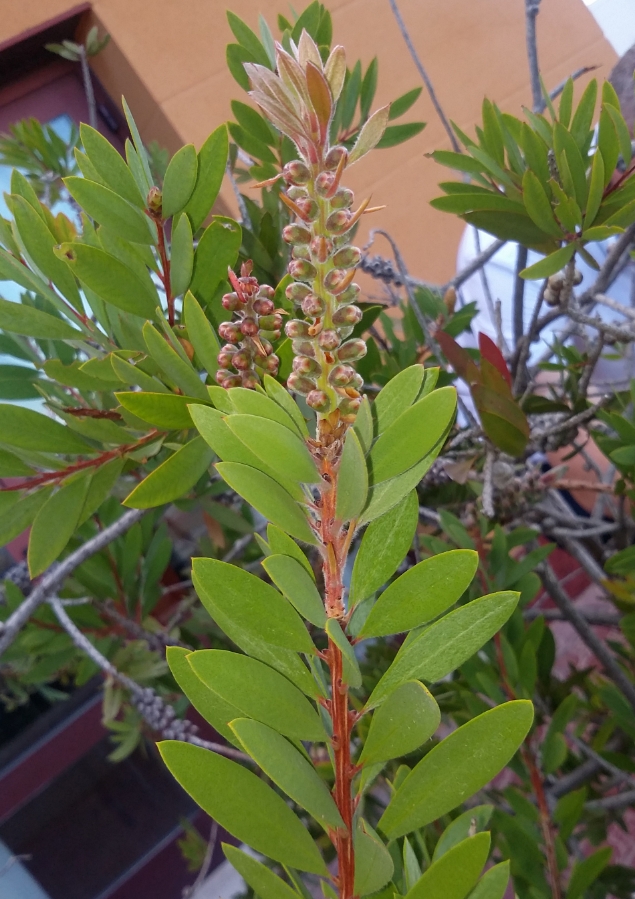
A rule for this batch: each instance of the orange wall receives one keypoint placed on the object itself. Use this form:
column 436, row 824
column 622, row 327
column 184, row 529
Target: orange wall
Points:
column 168, row 57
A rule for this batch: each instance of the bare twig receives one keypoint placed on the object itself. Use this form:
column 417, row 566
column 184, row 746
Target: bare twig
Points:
column 53, row 579
column 518, row 300
column 572, row 422
column 620, row 800
column 532, row 8
column 88, row 87
column 606, row 765
column 477, row 263
column 597, row 619
column 588, row 635
column 190, row 892
column 557, row 90
column 487, row 497
column 424, row 76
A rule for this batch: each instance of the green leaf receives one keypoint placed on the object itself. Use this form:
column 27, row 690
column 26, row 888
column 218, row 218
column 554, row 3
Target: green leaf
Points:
column 31, row 322
column 243, row 804
column 288, row 769
column 398, row 134
column 138, row 143
column 253, row 123
column 386, row 495
column 585, row 872
column 493, row 884
column 447, row 643
column 173, row 478
column 236, row 57
column 55, row 524
column 29, row 430
column 369, row 86
column 164, row 410
column 111, row 280
column 100, row 488
column 268, row 497
column 16, row 518
column 538, row 206
column 623, row 134
column 297, row 585
column 39, row 242
column 182, row 257
column 371, row 134
column 217, row 249
column 247, row 39
column 455, row 873
column 608, row 144
column 132, row 374
column 254, row 606
column 281, row 544
column 583, row 116
column 283, row 398
column 179, row 181
column 352, row 480
column 250, row 402
column 373, row 863
column 12, row 467
column 259, row 692
column 260, row 878
column 363, row 425
column 596, row 190
column 208, row 704
column 212, row 426
column 472, row 821
column 276, row 445
column 421, row 593
column 383, row 547
column 412, row 435
column 201, row 334
column 408, row 718
column 397, row 396
column 110, row 166
column 459, row 766
column 402, row 104
column 109, row 209
column 550, row 264
column 350, row 667
column 170, row 362
column 212, row 160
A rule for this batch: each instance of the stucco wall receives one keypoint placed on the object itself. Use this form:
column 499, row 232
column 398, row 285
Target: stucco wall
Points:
column 169, row 59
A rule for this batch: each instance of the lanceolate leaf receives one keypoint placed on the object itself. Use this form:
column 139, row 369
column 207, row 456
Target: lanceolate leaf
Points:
column 29, row 430
column 243, row 804
column 474, row 820
column 201, row 334
column 55, row 524
column 179, row 181
column 276, row 445
column 550, row 264
column 457, row 767
column 173, row 478
column 259, row 692
column 165, row 410
column 384, row 496
column 268, row 497
column 447, row 643
column 212, row 160
column 178, row 370
column 370, row 135
column 20, row 319
column 214, row 710
column 421, row 593
column 254, row 606
column 455, row 873
column 352, row 480
column 249, row 402
column 288, row 769
column 108, row 208
column 408, row 718
column 217, row 249
column 412, row 435
column 260, row 878
column 383, row 547
column 373, row 863
column 493, row 884
column 281, row 544
column 351, row 673
column 282, row 397
column 297, row 585
column 110, row 165
column 16, row 518
column 182, row 258
column 398, row 394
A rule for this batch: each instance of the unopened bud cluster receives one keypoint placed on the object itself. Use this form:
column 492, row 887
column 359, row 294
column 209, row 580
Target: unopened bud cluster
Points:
column 323, row 264
column 248, row 353
column 557, row 287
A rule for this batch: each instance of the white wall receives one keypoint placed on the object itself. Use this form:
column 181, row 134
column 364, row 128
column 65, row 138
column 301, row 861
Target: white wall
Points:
column 616, row 18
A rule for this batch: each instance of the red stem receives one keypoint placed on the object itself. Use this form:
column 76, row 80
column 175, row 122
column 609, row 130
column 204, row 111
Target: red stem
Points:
column 165, row 274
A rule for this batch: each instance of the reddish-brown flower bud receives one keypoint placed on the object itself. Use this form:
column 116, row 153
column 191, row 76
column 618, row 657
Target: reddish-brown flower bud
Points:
column 333, row 158
column 264, row 307
column 296, row 292
column 266, row 345
column 349, row 295
column 302, row 269
column 224, row 358
column 341, row 375
column 296, row 172
column 335, row 279
column 297, row 193
column 347, row 257
column 242, row 360
column 318, row 400
column 300, row 383
column 296, row 328
column 313, row 305
column 304, row 365
column 301, row 251
column 272, row 364
column 308, row 209
column 296, row 234
column 329, row 339
column 229, row 331
column 321, row 248
column 339, row 221
column 154, row 200
column 249, row 327
column 231, row 381
column 303, row 348
column 270, row 322
column 350, row 405
column 324, row 183
column 351, row 350
column 250, row 380
column 230, row 301
column 266, row 292
column 342, row 198
column 347, row 315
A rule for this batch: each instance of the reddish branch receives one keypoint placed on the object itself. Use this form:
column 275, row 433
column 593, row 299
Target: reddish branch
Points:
column 55, row 476
column 84, row 412
column 165, row 271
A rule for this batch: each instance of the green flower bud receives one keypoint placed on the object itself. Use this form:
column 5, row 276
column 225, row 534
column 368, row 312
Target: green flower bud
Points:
column 296, row 328
column 302, row 269
column 304, row 365
column 297, row 292
column 341, row 375
column 339, row 221
column 333, row 157
column 303, row 348
column 300, row 383
column 318, row 400
column 154, row 200
column 296, row 234
column 351, row 350
column 347, row 257
column 342, row 198
column 296, row 172
column 313, row 306
column 329, row 339
column 349, row 295
column 347, row 315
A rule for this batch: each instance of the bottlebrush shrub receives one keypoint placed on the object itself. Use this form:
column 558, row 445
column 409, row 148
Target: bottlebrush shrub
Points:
column 296, row 685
